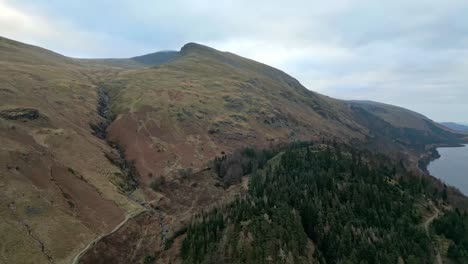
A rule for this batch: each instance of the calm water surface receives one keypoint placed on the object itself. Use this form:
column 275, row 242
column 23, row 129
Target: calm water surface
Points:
column 452, row 167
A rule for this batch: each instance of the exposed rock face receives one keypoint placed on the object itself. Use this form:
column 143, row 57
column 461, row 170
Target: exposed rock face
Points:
column 24, row 114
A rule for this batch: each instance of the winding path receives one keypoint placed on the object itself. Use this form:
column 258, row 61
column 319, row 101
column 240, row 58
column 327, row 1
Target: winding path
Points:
column 427, row 224
column 163, row 226
column 130, row 216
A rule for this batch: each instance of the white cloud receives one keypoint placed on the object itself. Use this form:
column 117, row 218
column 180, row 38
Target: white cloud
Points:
column 60, row 35
column 17, row 24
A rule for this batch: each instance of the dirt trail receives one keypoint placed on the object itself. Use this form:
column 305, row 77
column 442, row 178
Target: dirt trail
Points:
column 130, row 216
column 427, row 224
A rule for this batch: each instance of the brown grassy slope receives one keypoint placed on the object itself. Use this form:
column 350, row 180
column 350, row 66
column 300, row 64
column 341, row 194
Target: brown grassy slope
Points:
column 55, row 189
column 206, row 102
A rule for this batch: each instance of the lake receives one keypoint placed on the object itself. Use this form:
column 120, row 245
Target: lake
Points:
column 452, row 167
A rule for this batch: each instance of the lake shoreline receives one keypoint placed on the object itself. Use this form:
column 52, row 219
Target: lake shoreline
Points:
column 433, row 154
column 446, row 163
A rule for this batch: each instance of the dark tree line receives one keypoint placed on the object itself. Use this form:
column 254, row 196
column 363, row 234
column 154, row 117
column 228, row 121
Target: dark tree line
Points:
column 231, row 167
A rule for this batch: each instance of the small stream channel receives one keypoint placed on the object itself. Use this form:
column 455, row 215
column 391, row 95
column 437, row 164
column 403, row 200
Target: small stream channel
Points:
column 128, row 169
column 130, row 174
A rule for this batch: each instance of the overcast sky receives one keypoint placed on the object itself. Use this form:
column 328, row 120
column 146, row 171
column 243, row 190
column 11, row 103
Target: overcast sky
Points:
column 411, row 53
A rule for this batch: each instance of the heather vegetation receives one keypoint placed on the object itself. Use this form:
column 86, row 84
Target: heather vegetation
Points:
column 331, row 204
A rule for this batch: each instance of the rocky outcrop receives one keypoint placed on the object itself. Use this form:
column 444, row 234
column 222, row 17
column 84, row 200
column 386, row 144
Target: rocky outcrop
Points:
column 129, row 174
column 23, row 114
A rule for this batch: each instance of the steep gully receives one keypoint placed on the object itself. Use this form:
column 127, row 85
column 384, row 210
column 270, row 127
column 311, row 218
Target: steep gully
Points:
column 100, row 130
column 128, row 170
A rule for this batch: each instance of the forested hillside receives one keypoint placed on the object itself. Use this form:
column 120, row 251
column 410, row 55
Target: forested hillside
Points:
column 454, row 226
column 329, row 204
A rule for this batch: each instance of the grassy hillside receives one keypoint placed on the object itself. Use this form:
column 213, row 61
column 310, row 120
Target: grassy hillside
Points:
column 204, row 102
column 55, row 182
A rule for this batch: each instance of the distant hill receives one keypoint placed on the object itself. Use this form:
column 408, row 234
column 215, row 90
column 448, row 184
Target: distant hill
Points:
column 456, row 126
column 389, row 124
column 156, row 58
column 148, row 60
